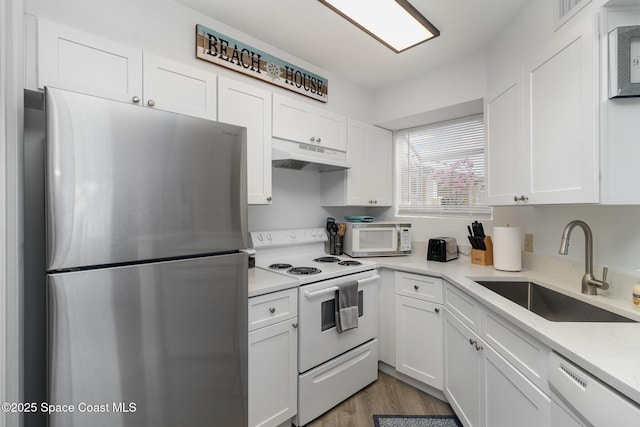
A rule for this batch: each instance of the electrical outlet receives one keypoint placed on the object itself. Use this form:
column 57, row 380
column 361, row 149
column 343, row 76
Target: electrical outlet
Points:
column 528, row 242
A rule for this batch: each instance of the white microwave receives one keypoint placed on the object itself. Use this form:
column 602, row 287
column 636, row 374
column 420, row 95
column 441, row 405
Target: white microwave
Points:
column 362, row 239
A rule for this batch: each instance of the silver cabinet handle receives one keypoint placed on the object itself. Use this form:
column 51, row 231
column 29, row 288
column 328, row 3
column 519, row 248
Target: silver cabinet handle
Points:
column 312, row 139
column 437, row 310
column 151, row 103
column 269, row 199
column 472, row 341
column 318, row 140
column 416, row 287
column 135, row 99
column 375, row 202
column 272, row 310
column 522, row 198
column 479, row 347
column 295, row 325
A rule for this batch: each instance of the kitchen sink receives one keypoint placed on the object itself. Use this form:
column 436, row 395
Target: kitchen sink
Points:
column 549, row 304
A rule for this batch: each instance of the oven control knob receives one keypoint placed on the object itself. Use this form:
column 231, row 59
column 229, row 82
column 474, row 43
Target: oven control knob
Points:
column 313, row 234
column 268, row 236
column 260, row 237
column 293, row 235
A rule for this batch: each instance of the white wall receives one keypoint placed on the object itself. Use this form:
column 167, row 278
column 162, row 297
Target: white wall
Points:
column 457, row 83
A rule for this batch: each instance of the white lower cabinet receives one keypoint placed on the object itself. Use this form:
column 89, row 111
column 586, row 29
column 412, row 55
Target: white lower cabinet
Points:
column 510, row 398
column 273, row 359
column 484, row 388
column 418, row 340
column 463, row 370
column 418, row 327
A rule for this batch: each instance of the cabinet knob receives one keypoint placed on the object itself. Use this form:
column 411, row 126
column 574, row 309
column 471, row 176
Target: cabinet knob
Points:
column 272, row 310
column 295, row 325
column 135, row 99
column 416, row 287
column 269, row 199
column 437, row 310
column 318, row 140
column 151, row 103
column 312, row 139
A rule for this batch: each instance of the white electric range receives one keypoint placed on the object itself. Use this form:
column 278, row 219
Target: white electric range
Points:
column 332, row 366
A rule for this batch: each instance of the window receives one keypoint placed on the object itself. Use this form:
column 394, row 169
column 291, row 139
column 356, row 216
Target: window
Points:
column 440, row 169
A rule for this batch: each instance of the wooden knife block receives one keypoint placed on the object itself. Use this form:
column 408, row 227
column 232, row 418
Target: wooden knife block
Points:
column 481, row 257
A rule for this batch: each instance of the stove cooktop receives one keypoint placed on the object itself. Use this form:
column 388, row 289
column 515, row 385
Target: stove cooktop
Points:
column 301, row 254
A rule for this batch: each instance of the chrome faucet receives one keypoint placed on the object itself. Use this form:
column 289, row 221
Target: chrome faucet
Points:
column 590, row 284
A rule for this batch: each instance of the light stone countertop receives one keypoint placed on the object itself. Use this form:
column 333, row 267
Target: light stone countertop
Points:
column 263, row 282
column 609, row 351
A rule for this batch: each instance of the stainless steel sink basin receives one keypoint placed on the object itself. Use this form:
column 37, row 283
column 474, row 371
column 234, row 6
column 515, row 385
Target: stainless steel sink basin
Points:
column 550, row 304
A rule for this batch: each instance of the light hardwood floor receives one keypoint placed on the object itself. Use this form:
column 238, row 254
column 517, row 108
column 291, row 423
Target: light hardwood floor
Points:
column 386, row 396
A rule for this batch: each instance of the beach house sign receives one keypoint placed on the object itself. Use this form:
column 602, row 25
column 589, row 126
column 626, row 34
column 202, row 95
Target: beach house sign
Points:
column 219, row 49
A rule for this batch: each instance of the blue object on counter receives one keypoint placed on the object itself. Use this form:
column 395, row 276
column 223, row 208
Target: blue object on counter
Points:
column 360, row 218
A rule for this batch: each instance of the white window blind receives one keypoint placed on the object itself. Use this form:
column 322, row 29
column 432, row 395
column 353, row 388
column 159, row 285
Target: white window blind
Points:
column 440, row 169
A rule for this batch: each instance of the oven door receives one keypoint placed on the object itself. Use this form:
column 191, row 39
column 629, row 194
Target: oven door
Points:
column 318, row 339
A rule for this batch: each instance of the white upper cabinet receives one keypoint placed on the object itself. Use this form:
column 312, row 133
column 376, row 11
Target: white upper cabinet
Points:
column 244, row 105
column 542, row 126
column 173, row 86
column 503, row 115
column 369, row 180
column 561, row 120
column 78, row 61
column 301, row 122
column 81, row 62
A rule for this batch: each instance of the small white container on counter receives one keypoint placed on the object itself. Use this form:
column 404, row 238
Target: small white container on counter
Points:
column 507, row 248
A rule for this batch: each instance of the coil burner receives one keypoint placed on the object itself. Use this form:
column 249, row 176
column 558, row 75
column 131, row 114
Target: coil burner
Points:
column 280, row 266
column 304, row 270
column 327, row 259
column 349, row 262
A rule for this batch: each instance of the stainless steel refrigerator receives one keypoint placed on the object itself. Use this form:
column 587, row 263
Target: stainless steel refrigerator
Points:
column 146, row 283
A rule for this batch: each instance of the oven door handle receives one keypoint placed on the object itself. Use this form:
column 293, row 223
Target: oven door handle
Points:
column 332, row 289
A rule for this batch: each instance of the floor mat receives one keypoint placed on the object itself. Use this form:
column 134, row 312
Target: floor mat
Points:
column 416, row 421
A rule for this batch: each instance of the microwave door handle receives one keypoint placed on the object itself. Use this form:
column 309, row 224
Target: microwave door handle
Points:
column 331, row 289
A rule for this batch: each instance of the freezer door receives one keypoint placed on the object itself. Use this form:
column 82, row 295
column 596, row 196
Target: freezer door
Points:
column 161, row 344
column 126, row 183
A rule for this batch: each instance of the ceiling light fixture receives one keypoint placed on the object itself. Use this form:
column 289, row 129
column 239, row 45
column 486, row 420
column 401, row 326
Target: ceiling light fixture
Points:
column 394, row 23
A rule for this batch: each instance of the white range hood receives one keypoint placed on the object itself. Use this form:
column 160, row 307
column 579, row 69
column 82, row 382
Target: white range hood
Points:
column 298, row 156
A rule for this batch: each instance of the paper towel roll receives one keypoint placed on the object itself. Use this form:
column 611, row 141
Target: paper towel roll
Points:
column 507, row 248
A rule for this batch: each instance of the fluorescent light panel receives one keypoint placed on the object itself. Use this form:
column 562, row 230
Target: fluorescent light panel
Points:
column 394, row 23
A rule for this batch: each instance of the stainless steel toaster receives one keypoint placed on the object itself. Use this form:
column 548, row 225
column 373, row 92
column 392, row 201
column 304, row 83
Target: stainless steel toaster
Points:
column 442, row 249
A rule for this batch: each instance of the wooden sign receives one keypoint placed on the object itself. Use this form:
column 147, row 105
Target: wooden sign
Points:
column 222, row 50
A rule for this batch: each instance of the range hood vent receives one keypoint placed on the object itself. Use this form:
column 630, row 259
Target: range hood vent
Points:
column 300, row 156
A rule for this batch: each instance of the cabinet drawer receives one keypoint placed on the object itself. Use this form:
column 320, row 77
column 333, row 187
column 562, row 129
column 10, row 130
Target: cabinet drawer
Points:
column 272, row 308
column 520, row 349
column 463, row 307
column 417, row 286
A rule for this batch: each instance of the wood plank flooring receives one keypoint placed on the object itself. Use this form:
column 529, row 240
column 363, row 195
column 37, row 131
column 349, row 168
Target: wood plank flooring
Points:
column 386, row 396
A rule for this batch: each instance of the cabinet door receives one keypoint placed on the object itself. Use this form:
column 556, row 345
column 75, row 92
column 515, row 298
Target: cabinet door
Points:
column 463, row 370
column 379, row 172
column 173, row 86
column 562, row 121
column 331, row 130
column 419, row 340
column 298, row 121
column 273, row 374
column 292, row 120
column 81, row 62
column 510, row 399
column 504, row 146
column 244, row 105
column 357, row 186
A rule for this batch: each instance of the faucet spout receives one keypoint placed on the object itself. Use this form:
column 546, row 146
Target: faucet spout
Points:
column 590, row 284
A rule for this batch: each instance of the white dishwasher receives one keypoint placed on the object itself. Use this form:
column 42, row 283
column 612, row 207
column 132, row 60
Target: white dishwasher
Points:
column 590, row 400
